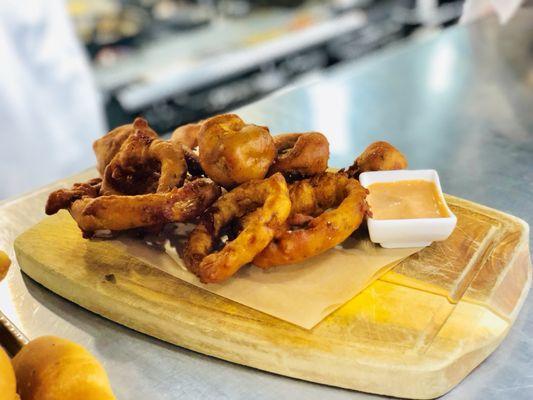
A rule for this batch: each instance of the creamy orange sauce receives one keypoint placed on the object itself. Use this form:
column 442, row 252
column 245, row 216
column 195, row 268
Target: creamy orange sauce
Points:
column 405, row 200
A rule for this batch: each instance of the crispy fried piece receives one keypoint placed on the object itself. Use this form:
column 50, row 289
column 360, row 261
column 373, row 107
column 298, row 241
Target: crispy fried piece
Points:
column 186, row 137
column 301, row 154
column 379, row 156
column 63, row 198
column 117, row 213
column 187, row 134
column 337, row 205
column 264, row 204
column 144, row 164
column 232, row 152
column 193, row 162
column 108, row 145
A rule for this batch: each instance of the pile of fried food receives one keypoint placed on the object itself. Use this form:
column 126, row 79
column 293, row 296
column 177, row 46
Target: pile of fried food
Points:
column 254, row 197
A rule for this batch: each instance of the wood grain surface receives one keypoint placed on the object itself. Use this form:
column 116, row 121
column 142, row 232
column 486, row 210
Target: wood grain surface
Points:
column 416, row 332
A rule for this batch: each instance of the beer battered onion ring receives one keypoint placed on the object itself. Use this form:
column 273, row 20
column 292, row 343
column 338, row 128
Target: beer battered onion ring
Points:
column 117, row 213
column 232, row 152
column 106, row 147
column 193, row 162
column 300, row 154
column 265, row 205
column 144, row 164
column 313, row 201
column 187, row 134
column 378, row 156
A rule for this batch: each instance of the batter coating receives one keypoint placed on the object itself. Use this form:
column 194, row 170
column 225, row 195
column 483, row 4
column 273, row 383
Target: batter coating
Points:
column 378, row 156
column 144, row 164
column 108, row 145
column 63, row 198
column 233, row 152
column 117, row 213
column 301, row 154
column 264, row 204
column 187, row 134
column 326, row 209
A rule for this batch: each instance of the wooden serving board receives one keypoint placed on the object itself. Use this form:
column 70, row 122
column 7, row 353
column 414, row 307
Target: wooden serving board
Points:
column 416, row 332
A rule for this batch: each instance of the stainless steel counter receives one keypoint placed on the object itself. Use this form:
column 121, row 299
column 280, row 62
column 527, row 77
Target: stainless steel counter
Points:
column 460, row 102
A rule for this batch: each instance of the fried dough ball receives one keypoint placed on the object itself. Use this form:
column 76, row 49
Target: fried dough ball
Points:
column 232, row 152
column 265, row 204
column 108, row 145
column 144, row 164
column 379, row 156
column 300, row 154
column 327, row 208
column 117, row 213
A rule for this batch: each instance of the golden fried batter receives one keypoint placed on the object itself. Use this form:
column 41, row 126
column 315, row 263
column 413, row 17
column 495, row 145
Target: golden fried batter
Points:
column 300, row 154
column 187, row 134
column 193, row 161
column 116, row 213
column 232, row 152
column 264, row 220
column 108, row 145
column 265, row 205
column 186, row 137
column 379, row 156
column 63, row 198
column 336, row 205
column 144, row 164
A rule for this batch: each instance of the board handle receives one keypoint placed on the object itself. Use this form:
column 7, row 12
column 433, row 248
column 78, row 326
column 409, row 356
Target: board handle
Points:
column 11, row 338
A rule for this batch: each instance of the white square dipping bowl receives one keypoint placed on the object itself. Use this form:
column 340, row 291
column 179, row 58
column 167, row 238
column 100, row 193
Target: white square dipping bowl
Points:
column 416, row 232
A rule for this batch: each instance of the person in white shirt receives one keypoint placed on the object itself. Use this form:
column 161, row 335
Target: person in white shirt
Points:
column 48, row 100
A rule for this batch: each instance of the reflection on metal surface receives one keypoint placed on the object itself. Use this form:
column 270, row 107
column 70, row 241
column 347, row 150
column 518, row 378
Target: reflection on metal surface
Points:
column 326, row 115
column 441, row 70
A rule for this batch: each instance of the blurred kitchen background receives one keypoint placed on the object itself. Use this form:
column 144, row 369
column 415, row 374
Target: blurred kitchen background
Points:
column 176, row 61
column 173, row 62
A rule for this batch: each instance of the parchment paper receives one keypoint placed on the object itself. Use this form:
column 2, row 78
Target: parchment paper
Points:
column 303, row 293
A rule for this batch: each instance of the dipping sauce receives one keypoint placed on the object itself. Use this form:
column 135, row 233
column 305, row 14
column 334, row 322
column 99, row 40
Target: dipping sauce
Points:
column 405, row 200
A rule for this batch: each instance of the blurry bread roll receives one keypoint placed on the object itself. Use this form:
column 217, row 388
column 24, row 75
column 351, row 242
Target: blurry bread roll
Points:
column 8, row 385
column 5, row 262
column 51, row 368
